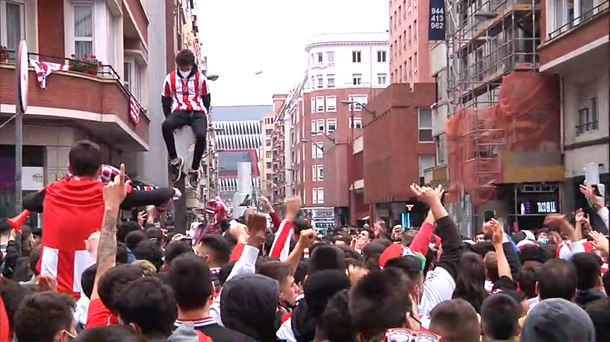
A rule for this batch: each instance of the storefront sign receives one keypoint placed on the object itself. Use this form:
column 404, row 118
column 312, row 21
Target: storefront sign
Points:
column 436, row 22
column 32, row 178
column 538, row 207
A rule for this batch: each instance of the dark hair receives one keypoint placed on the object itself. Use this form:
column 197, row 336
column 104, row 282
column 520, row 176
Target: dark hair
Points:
column 150, row 305
column 326, row 257
column 219, row 247
column 185, row 58
column 301, row 272
column 499, row 316
column 132, row 239
column 149, row 250
column 588, row 269
column 116, row 280
column 88, row 279
column 470, row 281
column 336, row 321
column 409, row 265
column 42, row 315
column 225, row 271
column 371, row 253
column 482, row 248
column 126, row 228
column 456, row 321
column 531, row 253
column 527, row 278
column 349, row 252
column 34, row 257
column 110, row 333
column 370, row 231
column 155, row 233
column 85, row 158
column 606, row 282
column 122, row 256
column 191, row 280
column 175, row 249
column 379, row 301
column 13, row 295
column 556, row 279
column 275, row 270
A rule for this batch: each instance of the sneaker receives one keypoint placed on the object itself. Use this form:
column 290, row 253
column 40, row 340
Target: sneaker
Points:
column 194, row 176
column 176, row 170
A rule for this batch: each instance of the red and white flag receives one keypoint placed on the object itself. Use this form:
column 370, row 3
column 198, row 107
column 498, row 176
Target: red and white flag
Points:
column 44, row 69
column 281, row 244
column 134, row 110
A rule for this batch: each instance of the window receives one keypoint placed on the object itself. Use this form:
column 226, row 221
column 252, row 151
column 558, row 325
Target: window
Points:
column 356, row 57
column 360, row 99
column 12, row 30
column 331, row 125
column 400, row 44
column 357, row 79
column 357, row 123
column 588, row 117
column 313, row 105
column 314, row 193
column 409, row 35
column 399, row 13
column 83, row 30
column 268, row 165
column 415, row 30
column 313, row 82
column 320, row 83
column 320, row 173
column 317, row 173
column 562, row 13
column 317, row 150
column 320, row 195
column 268, row 154
column 382, row 56
column 330, row 80
column 426, row 161
column 320, row 104
column 268, row 142
column 132, row 79
column 440, row 149
column 381, row 79
column 408, row 71
column 330, row 57
column 319, row 57
column 425, row 124
column 331, row 103
column 414, row 62
column 320, row 125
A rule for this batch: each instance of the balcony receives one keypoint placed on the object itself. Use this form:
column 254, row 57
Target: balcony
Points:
column 96, row 102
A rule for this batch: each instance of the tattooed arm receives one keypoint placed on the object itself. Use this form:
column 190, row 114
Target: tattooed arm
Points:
column 114, row 193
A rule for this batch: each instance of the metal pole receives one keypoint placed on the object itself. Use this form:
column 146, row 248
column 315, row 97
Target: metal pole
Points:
column 18, row 148
column 350, row 158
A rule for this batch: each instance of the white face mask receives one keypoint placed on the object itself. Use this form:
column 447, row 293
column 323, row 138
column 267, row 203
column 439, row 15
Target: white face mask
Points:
column 185, row 74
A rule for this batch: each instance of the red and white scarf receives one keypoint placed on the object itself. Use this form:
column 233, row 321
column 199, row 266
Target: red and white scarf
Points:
column 281, row 244
column 44, row 69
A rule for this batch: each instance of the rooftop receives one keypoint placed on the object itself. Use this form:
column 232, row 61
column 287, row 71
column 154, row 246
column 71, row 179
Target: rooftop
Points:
column 352, row 37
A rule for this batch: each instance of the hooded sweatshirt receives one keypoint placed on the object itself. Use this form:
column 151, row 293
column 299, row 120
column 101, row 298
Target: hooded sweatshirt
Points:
column 557, row 319
column 249, row 305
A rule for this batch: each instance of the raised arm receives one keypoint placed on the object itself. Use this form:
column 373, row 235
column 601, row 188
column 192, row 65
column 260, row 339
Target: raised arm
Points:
column 306, row 239
column 114, row 193
column 33, row 202
column 498, row 235
column 421, row 240
column 138, row 198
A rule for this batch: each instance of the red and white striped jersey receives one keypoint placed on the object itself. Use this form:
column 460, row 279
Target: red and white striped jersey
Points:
column 186, row 93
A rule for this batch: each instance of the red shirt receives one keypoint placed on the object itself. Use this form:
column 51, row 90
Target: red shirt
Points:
column 98, row 315
column 4, row 328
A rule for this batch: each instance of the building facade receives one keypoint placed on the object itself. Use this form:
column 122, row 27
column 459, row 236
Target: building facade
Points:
column 266, row 155
column 575, row 46
column 398, row 148
column 409, row 61
column 91, row 103
column 345, row 71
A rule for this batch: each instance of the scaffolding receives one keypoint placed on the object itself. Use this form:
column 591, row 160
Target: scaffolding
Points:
column 486, row 41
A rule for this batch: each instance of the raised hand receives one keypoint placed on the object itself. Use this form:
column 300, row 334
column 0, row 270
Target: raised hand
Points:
column 292, row 208
column 498, row 232
column 307, row 237
column 600, row 241
column 116, row 190
column 555, row 221
column 257, row 226
column 265, row 201
column 587, row 191
column 428, row 195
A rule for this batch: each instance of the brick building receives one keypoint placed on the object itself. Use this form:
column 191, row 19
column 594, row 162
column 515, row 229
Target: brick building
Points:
column 398, row 147
column 409, row 51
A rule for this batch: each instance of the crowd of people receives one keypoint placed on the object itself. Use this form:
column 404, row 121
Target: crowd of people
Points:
column 88, row 275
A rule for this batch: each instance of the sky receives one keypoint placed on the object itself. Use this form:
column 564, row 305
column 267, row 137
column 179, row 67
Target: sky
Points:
column 243, row 37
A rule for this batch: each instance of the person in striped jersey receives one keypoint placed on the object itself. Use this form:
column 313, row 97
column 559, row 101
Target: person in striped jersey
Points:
column 186, row 101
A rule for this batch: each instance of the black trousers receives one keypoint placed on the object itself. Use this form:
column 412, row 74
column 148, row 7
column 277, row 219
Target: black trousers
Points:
column 178, row 119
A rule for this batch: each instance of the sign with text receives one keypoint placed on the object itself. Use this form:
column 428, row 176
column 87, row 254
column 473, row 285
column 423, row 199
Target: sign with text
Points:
column 436, row 22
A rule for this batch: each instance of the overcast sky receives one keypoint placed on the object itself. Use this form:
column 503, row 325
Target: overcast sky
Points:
column 243, row 37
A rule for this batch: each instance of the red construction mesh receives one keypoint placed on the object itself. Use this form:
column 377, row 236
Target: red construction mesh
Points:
column 526, row 118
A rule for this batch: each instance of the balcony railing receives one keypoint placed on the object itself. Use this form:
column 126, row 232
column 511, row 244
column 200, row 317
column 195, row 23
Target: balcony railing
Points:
column 105, row 71
column 597, row 11
column 586, row 127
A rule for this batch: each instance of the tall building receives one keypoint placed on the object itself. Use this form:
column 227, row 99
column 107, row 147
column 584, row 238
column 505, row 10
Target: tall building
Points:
column 238, row 139
column 343, row 68
column 409, row 62
column 266, row 154
column 575, row 46
column 86, row 102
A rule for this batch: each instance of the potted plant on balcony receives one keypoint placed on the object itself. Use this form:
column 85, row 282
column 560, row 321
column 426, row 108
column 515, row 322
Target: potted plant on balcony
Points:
column 3, row 54
column 86, row 64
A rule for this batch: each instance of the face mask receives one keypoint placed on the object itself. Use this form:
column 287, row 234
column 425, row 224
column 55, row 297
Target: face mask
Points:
column 543, row 241
column 185, row 74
